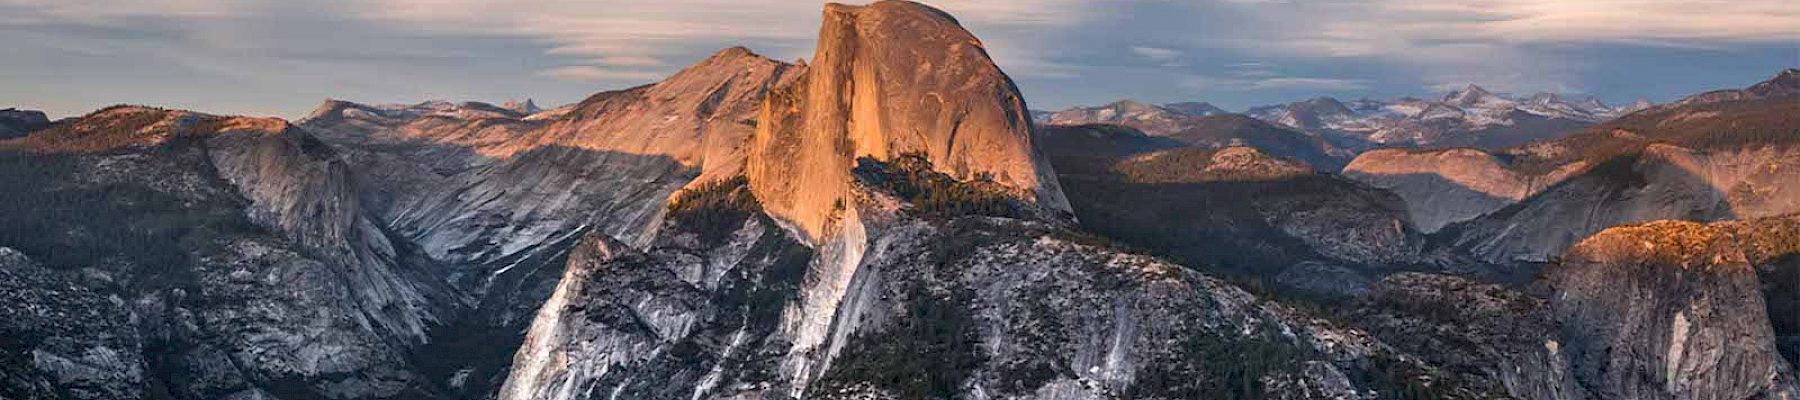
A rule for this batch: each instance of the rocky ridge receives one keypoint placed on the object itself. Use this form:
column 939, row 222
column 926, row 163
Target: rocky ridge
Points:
column 15, row 122
column 237, row 249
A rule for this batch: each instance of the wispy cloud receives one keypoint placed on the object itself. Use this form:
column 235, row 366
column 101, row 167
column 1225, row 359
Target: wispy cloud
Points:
column 593, row 73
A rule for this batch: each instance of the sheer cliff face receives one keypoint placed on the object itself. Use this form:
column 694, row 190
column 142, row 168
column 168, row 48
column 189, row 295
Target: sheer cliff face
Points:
column 1667, row 310
column 237, row 248
column 892, row 78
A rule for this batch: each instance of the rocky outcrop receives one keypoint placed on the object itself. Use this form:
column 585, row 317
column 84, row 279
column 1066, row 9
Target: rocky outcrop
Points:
column 499, row 198
column 889, row 79
column 1490, row 336
column 236, row 246
column 1667, row 310
column 65, row 339
column 1663, row 310
column 15, row 122
column 1442, row 187
column 932, row 310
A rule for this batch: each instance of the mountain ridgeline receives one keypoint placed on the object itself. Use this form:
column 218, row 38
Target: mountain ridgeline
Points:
column 888, row 220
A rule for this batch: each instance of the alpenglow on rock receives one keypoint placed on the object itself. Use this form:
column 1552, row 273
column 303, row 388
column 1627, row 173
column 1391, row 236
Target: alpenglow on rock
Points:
column 888, row 79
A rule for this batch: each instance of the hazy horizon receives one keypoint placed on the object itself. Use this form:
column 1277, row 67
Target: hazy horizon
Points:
column 259, row 57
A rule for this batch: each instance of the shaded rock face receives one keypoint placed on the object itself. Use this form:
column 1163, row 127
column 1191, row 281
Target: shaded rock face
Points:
column 235, row 246
column 1773, row 246
column 497, row 198
column 1667, row 310
column 1490, row 336
column 15, row 122
column 888, row 79
column 1442, row 187
column 1662, row 310
column 933, row 310
column 65, row 339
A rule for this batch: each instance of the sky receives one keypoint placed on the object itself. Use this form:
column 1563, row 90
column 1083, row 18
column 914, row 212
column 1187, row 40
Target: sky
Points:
column 284, row 57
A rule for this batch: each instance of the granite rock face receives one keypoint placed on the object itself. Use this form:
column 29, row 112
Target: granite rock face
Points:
column 1667, row 310
column 888, row 79
column 232, row 251
column 931, row 310
column 65, row 339
column 497, row 198
column 1662, row 310
column 1489, row 335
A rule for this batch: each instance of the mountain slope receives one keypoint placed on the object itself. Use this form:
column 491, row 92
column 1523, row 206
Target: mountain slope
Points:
column 15, row 123
column 1242, row 212
column 1706, row 161
column 500, row 198
column 237, row 246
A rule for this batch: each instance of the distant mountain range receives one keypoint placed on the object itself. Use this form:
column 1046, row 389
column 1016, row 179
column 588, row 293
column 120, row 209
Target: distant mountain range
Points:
column 1471, row 116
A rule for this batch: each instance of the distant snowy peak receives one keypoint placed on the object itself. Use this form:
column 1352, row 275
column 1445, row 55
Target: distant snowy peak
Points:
column 1471, row 115
column 1635, row 106
column 1317, row 113
column 469, row 110
column 1196, row 108
column 1583, row 108
column 1475, row 97
column 1150, row 118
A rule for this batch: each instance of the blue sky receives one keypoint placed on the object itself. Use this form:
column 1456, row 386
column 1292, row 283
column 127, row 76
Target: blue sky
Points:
column 281, row 58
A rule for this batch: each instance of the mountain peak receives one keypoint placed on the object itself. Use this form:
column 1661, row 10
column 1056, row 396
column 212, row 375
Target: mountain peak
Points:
column 1785, row 83
column 1196, row 108
column 964, row 115
column 1476, row 96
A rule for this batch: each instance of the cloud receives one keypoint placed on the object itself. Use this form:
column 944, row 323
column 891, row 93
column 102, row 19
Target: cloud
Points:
column 1269, row 80
column 1323, row 84
column 593, row 73
column 1156, row 53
